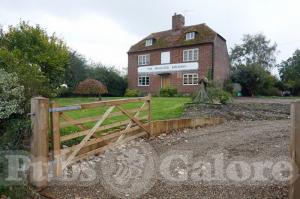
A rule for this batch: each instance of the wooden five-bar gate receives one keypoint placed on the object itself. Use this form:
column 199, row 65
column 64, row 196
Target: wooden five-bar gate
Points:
column 118, row 121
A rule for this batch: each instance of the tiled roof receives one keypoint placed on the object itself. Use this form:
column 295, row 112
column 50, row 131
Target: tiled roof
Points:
column 173, row 38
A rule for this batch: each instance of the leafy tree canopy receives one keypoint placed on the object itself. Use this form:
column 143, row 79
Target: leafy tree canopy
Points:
column 255, row 49
column 76, row 71
column 289, row 72
column 38, row 59
column 116, row 84
column 255, row 80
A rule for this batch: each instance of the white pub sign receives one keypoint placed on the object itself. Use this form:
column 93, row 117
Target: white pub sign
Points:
column 168, row 67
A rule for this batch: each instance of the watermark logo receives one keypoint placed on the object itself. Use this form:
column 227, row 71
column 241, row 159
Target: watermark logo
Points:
column 128, row 170
column 181, row 167
column 131, row 170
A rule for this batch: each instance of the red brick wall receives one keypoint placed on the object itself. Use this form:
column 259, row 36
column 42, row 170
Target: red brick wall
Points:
column 205, row 63
column 221, row 61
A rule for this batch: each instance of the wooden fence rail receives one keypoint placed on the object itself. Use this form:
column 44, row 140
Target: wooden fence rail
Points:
column 94, row 138
column 66, row 149
column 86, row 141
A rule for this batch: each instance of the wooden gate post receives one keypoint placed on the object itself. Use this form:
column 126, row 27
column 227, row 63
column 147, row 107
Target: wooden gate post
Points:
column 294, row 192
column 39, row 142
column 56, row 141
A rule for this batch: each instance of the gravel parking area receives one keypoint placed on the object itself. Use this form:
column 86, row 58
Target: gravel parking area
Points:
column 257, row 131
column 249, row 141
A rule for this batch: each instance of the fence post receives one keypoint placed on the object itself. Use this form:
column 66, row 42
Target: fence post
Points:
column 56, row 141
column 39, row 142
column 149, row 113
column 294, row 191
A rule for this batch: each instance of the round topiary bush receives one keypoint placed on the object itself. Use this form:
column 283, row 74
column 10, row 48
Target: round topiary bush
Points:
column 91, row 87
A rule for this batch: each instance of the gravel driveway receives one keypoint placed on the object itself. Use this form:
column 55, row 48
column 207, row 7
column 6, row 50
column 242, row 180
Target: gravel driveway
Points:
column 249, row 141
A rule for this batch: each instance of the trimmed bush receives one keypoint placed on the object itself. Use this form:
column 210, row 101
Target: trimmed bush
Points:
column 91, row 87
column 168, row 92
column 131, row 93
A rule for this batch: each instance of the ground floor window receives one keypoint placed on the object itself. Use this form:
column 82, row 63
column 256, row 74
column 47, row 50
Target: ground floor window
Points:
column 143, row 80
column 190, row 79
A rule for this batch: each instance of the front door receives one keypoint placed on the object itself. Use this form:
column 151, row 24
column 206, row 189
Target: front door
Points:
column 165, row 81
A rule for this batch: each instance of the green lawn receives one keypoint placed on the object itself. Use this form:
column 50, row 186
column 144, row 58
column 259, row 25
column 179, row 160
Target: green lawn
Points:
column 162, row 108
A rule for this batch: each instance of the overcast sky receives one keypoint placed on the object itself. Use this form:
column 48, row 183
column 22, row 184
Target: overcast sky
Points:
column 103, row 30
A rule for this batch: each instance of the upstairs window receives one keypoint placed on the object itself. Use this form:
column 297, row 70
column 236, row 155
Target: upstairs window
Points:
column 144, row 81
column 165, row 57
column 144, row 59
column 149, row 42
column 190, row 55
column 190, row 36
column 190, row 79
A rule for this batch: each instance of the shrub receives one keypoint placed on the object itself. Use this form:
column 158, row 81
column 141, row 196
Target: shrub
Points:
column 64, row 91
column 225, row 97
column 273, row 91
column 11, row 95
column 91, row 87
column 16, row 133
column 168, row 91
column 131, row 93
column 218, row 94
column 228, row 86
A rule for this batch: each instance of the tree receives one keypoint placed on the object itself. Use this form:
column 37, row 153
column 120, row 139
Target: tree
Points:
column 91, row 87
column 76, row 71
column 255, row 80
column 109, row 76
column 289, row 72
column 38, row 59
column 255, row 50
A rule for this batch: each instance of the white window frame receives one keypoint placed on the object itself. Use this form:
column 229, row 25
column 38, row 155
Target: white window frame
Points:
column 144, row 59
column 190, row 36
column 161, row 57
column 141, row 83
column 149, row 42
column 190, row 55
column 194, row 81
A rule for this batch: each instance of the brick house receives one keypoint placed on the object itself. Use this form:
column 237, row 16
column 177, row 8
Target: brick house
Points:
column 178, row 57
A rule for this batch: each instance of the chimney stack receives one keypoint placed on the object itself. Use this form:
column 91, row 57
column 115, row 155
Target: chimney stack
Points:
column 177, row 21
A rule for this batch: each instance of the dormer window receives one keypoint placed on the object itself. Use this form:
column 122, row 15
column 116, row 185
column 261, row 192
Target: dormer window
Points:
column 190, row 36
column 149, row 42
